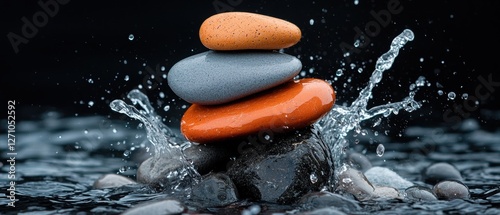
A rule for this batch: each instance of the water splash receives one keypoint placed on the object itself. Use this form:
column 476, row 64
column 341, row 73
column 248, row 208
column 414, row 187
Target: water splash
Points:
column 165, row 142
column 336, row 125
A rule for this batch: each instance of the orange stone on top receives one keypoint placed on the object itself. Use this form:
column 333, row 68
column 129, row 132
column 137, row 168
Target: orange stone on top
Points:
column 244, row 30
column 290, row 106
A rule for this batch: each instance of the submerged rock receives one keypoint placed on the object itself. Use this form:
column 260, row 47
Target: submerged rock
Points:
column 284, row 170
column 112, row 181
column 215, row 190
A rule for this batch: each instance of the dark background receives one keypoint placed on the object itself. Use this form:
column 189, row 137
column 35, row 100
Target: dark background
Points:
column 85, row 40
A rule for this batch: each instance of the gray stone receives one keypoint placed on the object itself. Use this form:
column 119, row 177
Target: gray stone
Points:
column 213, row 77
column 441, row 171
column 448, row 190
column 419, row 193
column 382, row 176
column 355, row 182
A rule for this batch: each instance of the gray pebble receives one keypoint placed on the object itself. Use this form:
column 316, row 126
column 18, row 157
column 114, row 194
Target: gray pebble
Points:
column 213, row 77
column 449, row 190
column 439, row 172
column 419, row 193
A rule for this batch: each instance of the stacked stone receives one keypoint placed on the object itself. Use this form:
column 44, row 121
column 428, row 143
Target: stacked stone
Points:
column 243, row 85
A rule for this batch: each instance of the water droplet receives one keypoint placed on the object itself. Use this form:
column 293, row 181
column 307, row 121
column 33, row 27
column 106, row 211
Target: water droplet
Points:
column 90, row 81
column 162, row 68
column 339, row 72
column 356, row 43
column 126, row 78
column 465, row 96
column 114, row 130
column 126, row 153
column 125, row 62
column 421, row 59
column 166, row 108
column 91, row 103
column 440, row 92
column 380, row 150
column 86, row 131
column 311, row 22
column 360, row 70
column 313, row 178
column 122, row 169
column 452, row 95
column 131, row 37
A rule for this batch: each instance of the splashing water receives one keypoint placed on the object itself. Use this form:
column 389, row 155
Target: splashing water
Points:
column 334, row 126
column 342, row 119
column 165, row 142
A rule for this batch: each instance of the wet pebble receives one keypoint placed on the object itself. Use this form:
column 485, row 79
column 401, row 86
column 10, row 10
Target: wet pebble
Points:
column 448, row 190
column 163, row 207
column 386, row 193
column 382, row 176
column 288, row 107
column 355, row 182
column 439, row 172
column 215, row 190
column 111, row 181
column 420, row 193
column 211, row 77
column 281, row 171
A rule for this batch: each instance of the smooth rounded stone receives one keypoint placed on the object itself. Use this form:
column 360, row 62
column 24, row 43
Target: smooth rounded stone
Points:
column 449, row 190
column 386, row 193
column 358, row 161
column 420, row 193
column 244, row 30
column 212, row 77
column 439, row 172
column 355, row 182
column 204, row 158
column 162, row 207
column 215, row 190
column 382, row 176
column 291, row 106
column 321, row 199
column 282, row 171
column 112, row 181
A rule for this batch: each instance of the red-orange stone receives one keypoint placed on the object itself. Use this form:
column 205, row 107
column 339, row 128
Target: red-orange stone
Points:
column 293, row 105
column 244, row 30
